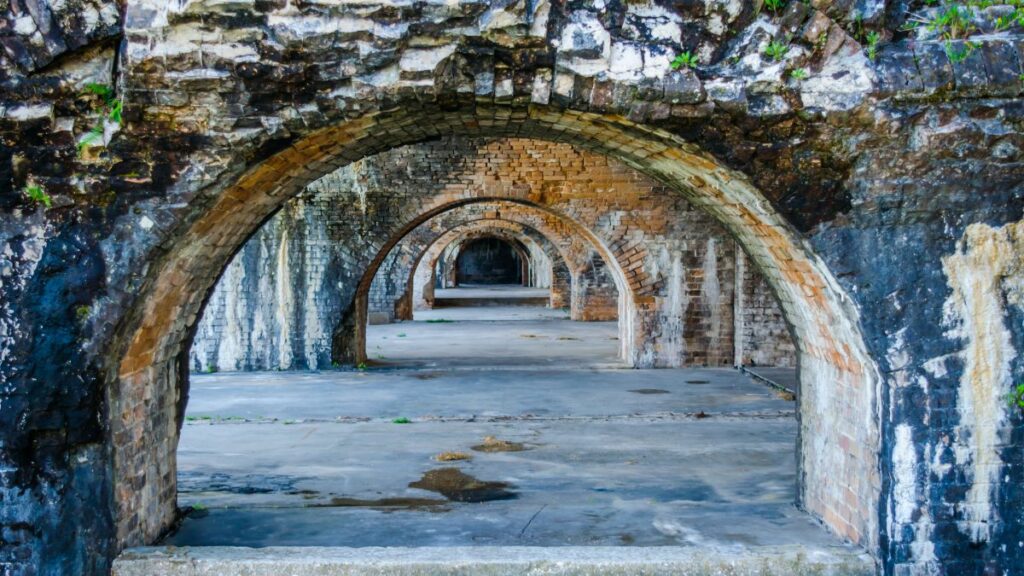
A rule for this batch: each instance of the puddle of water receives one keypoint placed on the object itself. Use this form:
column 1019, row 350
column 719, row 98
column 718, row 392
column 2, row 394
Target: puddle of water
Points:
column 200, row 482
column 492, row 444
column 650, row 391
column 456, row 485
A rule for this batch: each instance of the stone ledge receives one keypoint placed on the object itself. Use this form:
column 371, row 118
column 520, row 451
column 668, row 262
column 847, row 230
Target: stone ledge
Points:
column 492, row 560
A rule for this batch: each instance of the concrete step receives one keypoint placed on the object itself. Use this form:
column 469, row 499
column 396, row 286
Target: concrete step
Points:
column 491, row 301
column 489, row 560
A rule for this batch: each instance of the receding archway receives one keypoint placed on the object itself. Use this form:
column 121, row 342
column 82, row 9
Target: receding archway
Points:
column 394, row 294
column 489, row 260
column 839, row 423
column 575, row 241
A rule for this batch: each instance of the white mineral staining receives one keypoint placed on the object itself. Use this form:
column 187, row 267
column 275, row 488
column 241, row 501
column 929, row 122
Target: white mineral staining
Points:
column 425, row 60
column 904, row 490
column 711, row 293
column 985, row 274
column 843, row 82
column 30, row 112
column 585, row 45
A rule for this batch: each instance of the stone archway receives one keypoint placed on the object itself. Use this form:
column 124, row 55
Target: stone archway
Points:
column 420, row 280
column 554, row 241
column 578, row 241
column 838, row 404
column 575, row 261
column 394, row 287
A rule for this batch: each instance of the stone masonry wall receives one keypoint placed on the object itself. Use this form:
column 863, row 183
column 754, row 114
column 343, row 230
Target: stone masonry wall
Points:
column 873, row 171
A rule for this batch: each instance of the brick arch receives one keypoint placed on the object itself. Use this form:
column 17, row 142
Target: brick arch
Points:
column 422, row 270
column 536, row 253
column 514, row 243
column 839, row 422
column 350, row 332
column 575, row 261
column 554, row 242
column 517, row 246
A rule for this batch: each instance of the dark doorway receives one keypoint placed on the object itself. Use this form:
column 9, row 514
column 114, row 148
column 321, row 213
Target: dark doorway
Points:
column 489, row 261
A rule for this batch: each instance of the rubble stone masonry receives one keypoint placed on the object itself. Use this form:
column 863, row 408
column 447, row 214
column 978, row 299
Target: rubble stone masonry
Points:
column 871, row 172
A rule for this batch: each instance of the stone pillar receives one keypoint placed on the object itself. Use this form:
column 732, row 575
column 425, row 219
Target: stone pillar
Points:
column 561, row 286
column 594, row 296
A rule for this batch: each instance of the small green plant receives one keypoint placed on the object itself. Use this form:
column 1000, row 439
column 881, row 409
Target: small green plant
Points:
column 776, row 50
column 36, row 193
column 1016, row 397
column 958, row 55
column 439, row 321
column 1004, row 22
column 82, row 312
column 775, row 5
column 798, row 74
column 361, row 366
column 401, row 420
column 400, row 335
column 873, row 38
column 110, row 110
column 684, row 60
column 953, row 22
column 198, row 507
column 211, row 369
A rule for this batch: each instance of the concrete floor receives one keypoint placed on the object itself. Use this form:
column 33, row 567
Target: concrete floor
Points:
column 494, row 337
column 611, row 457
column 491, row 294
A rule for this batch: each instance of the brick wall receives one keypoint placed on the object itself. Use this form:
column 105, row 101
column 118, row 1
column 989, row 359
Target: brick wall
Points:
column 281, row 300
column 763, row 337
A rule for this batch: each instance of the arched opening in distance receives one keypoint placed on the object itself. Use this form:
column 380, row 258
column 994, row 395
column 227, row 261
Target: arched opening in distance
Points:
column 507, row 324
column 837, row 386
column 489, row 261
column 586, row 253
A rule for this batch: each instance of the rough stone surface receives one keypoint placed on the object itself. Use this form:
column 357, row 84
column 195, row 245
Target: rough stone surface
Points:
column 562, row 561
column 859, row 195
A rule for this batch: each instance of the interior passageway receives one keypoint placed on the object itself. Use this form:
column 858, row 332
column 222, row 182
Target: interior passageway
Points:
column 456, row 452
column 490, row 375
column 493, row 336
